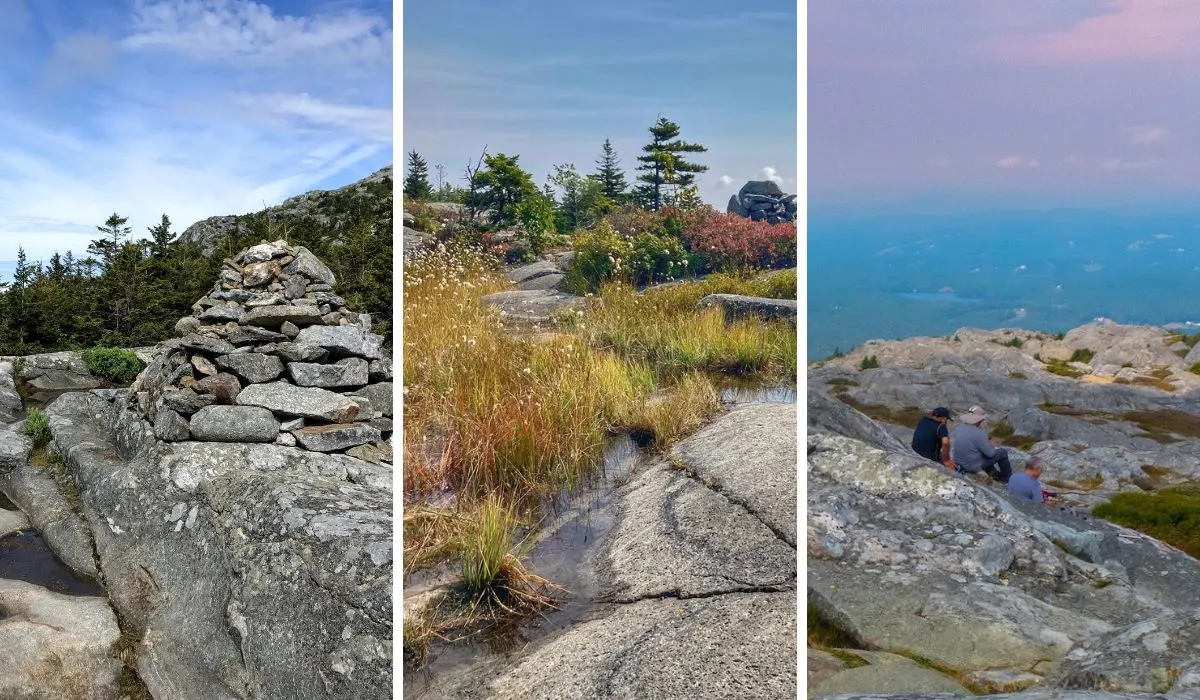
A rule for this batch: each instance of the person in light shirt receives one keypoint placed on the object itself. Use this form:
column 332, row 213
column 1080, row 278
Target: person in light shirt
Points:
column 1026, row 484
column 973, row 451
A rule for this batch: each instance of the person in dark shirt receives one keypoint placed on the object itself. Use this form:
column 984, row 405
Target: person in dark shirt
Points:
column 931, row 439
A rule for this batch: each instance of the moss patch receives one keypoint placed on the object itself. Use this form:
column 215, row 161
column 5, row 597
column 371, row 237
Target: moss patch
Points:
column 907, row 416
column 1165, row 422
column 1021, row 375
column 1171, row 515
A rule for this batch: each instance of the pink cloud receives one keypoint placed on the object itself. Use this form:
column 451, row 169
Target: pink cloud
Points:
column 1129, row 30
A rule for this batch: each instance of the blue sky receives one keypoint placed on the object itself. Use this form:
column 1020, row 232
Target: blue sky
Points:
column 1004, row 103
column 551, row 81
column 186, row 107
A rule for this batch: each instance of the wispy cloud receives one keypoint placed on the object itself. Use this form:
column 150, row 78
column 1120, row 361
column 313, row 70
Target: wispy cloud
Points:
column 1148, row 134
column 190, row 108
column 665, row 17
column 1016, row 162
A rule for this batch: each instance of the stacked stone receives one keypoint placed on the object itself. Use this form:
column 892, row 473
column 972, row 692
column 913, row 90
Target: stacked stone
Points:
column 271, row 354
column 763, row 200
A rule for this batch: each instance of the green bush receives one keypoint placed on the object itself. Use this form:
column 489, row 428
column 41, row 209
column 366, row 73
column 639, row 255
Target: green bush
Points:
column 869, row 362
column 1082, row 355
column 37, row 426
column 114, row 364
column 599, row 257
column 655, row 258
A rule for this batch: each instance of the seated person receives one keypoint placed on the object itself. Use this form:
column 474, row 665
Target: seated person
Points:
column 975, row 452
column 931, row 439
column 1026, row 484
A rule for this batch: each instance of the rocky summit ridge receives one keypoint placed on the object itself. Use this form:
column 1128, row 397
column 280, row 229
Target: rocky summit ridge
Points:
column 923, row 581
column 271, row 354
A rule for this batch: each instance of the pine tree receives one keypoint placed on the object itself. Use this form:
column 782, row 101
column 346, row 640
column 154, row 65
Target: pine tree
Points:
column 663, row 165
column 416, row 185
column 609, row 174
column 501, row 187
column 106, row 248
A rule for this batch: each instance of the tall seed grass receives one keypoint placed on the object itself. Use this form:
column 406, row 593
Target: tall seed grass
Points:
column 667, row 330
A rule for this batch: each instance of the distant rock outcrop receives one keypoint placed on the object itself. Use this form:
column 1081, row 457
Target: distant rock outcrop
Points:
column 271, row 354
column 763, row 200
column 319, row 204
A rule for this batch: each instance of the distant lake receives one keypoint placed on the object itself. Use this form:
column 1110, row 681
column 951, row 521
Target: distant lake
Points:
column 899, row 277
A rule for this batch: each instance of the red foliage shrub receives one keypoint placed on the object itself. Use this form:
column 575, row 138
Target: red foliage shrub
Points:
column 728, row 242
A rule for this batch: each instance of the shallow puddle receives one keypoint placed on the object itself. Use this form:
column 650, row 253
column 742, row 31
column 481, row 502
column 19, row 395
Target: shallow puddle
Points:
column 575, row 524
column 24, row 556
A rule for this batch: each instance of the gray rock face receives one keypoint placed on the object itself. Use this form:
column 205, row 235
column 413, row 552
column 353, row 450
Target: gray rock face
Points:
column 343, row 341
column 905, row 555
column 763, row 200
column 200, row 343
column 543, row 282
column 254, row 368
column 170, row 426
column 242, row 570
column 380, row 396
column 532, row 271
column 532, row 306
column 272, row 317
column 737, row 306
column 13, row 521
column 251, row 335
column 310, row 266
column 56, row 646
column 305, row 402
column 350, row 372
column 224, row 387
column 331, row 438
column 294, row 352
column 234, row 424
column 186, row 402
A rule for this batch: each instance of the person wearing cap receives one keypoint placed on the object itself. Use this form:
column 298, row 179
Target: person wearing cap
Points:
column 931, row 438
column 1026, row 484
column 975, row 452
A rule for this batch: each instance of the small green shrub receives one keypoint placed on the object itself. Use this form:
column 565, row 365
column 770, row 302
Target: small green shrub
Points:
column 656, row 258
column 115, row 364
column 869, row 362
column 37, row 427
column 1014, row 343
column 1017, row 375
column 599, row 257
column 1084, row 355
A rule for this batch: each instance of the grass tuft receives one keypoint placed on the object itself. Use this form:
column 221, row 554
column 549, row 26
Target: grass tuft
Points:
column 37, row 427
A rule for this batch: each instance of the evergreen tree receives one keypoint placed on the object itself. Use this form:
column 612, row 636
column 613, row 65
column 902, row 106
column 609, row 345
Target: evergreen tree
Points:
column 663, row 165
column 609, row 175
column 160, row 238
column 416, row 185
column 501, row 186
column 583, row 199
column 114, row 230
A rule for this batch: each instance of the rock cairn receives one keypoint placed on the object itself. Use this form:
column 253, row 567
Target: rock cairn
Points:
column 271, row 354
column 762, row 200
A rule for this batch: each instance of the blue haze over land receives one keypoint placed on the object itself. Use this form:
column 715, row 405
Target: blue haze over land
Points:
column 906, row 275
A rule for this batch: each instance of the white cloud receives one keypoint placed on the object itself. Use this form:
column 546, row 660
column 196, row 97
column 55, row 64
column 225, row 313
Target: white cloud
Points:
column 181, row 134
column 1148, row 134
column 725, row 180
column 769, row 173
column 235, row 31
column 1013, row 162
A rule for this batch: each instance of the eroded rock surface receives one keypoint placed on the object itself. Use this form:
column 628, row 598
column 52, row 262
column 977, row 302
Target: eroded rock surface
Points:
column 1000, row 594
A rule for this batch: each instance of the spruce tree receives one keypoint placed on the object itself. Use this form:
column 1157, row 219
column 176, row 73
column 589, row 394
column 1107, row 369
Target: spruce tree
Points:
column 609, row 174
column 416, row 185
column 160, row 238
column 663, row 166
column 106, row 248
